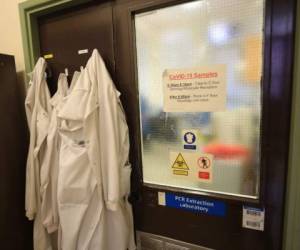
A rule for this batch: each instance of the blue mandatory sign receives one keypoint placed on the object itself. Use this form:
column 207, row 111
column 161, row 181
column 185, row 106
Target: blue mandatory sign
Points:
column 189, row 139
column 209, row 207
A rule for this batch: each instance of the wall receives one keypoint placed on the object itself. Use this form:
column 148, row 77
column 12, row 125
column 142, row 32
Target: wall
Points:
column 292, row 209
column 10, row 30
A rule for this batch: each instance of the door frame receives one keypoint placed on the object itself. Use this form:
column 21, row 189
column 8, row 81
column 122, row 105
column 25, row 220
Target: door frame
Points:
column 29, row 12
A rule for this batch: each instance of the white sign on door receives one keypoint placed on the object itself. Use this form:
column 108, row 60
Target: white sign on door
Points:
column 200, row 89
column 253, row 218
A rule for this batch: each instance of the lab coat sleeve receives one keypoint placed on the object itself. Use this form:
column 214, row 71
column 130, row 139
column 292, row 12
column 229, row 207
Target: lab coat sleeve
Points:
column 29, row 102
column 30, row 203
column 30, row 189
column 30, row 195
column 32, row 107
column 49, row 175
column 109, row 133
column 109, row 146
column 31, row 177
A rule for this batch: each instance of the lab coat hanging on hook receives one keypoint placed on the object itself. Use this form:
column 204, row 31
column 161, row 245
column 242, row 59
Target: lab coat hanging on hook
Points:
column 93, row 177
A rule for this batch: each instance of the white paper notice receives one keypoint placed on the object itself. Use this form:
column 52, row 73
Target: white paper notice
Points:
column 200, row 89
column 162, row 198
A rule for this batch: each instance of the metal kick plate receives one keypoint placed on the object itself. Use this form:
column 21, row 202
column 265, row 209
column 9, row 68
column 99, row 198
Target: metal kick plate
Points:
column 147, row 241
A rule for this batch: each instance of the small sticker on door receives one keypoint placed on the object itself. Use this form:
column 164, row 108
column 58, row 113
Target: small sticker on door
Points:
column 253, row 218
column 190, row 139
column 48, row 56
column 161, row 198
column 83, row 51
column 194, row 166
column 204, row 163
column 179, row 166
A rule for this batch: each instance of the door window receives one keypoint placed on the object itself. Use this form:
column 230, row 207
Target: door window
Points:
column 199, row 68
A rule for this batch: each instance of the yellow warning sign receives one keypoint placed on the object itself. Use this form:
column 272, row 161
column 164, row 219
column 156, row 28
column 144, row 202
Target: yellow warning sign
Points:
column 179, row 166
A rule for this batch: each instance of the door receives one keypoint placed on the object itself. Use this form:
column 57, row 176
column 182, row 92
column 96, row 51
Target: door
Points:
column 206, row 88
column 68, row 37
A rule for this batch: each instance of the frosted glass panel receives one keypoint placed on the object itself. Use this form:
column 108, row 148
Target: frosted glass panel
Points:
column 194, row 35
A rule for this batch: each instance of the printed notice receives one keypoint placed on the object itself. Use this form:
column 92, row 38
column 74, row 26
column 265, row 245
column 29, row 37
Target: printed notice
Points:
column 200, row 89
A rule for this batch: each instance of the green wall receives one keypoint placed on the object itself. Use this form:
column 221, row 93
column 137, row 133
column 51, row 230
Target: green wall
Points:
column 292, row 212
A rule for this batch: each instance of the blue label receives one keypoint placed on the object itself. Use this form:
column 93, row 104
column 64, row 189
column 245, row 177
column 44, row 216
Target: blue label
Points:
column 189, row 146
column 196, row 205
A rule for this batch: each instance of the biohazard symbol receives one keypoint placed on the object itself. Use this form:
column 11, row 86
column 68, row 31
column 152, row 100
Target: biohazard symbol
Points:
column 179, row 166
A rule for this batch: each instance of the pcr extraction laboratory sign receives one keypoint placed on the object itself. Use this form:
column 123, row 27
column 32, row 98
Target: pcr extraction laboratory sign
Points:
column 200, row 89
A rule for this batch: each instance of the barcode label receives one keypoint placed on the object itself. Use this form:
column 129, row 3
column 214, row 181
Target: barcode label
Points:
column 253, row 218
column 254, row 213
column 253, row 224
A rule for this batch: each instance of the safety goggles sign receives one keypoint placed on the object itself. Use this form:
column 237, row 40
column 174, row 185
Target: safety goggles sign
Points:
column 192, row 204
column 190, row 139
column 193, row 166
column 200, row 89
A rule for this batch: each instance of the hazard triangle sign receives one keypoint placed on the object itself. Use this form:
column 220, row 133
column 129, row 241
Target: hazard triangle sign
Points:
column 179, row 166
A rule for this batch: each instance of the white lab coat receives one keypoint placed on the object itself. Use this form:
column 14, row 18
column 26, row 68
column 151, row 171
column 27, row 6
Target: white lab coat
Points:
column 38, row 111
column 78, row 186
column 49, row 171
column 114, row 164
column 93, row 182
